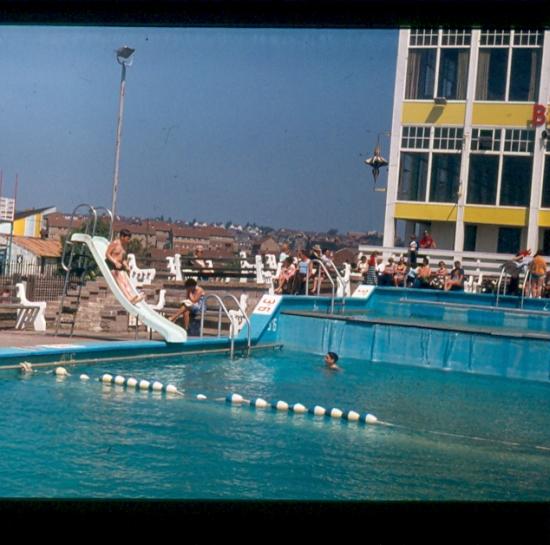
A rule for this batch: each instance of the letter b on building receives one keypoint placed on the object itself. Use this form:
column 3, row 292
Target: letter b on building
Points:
column 539, row 115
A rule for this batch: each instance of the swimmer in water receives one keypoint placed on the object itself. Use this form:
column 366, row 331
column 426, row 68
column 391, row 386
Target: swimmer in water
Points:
column 330, row 361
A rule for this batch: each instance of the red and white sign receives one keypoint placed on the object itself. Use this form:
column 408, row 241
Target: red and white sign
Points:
column 539, row 115
column 363, row 291
column 267, row 304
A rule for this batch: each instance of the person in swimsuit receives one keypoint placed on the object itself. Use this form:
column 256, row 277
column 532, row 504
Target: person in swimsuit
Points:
column 303, row 273
column 115, row 257
column 192, row 305
column 284, row 280
column 538, row 275
column 455, row 281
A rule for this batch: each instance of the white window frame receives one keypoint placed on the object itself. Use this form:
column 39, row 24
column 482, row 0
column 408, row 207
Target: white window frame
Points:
column 430, row 150
column 505, row 135
column 428, row 35
column 537, row 36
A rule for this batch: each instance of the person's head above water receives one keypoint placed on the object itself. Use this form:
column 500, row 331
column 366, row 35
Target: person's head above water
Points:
column 331, row 360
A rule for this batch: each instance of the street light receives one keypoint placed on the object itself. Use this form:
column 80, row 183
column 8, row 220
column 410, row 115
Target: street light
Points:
column 124, row 57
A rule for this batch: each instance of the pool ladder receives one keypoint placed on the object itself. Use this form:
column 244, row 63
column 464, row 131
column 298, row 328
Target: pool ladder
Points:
column 232, row 316
column 76, row 265
column 505, row 274
column 336, row 291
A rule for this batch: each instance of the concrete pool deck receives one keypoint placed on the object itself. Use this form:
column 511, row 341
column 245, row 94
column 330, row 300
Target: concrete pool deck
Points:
column 25, row 339
column 45, row 349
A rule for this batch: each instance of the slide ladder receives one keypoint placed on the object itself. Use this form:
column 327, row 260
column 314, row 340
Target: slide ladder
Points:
column 76, row 264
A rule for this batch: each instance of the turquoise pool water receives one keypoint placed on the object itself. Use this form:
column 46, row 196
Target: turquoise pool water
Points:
column 455, row 436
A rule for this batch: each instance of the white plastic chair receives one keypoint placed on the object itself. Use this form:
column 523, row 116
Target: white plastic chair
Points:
column 36, row 312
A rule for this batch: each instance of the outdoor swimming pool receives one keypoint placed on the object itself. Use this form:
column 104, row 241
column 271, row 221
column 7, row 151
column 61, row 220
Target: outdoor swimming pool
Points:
column 456, row 436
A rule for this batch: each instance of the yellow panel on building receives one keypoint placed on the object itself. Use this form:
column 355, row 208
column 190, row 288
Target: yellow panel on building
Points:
column 502, row 114
column 28, row 226
column 19, row 227
column 433, row 114
column 425, row 211
column 544, row 218
column 496, row 215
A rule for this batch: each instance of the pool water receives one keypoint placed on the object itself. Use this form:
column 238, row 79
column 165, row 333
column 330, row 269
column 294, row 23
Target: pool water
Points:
column 455, row 436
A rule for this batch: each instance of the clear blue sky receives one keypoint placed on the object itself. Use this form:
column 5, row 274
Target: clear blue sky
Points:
column 251, row 125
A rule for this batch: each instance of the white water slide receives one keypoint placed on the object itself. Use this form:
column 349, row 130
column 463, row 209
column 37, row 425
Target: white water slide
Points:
column 170, row 331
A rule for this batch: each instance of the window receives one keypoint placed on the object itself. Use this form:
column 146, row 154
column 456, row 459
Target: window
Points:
column 491, row 74
column 546, row 183
column 519, row 140
column 546, row 242
column 486, row 139
column 453, row 73
column 430, row 159
column 495, row 37
column 470, row 235
column 413, row 176
column 515, row 187
column 444, row 177
column 509, row 65
column 420, row 74
column 527, row 37
column 509, row 240
column 482, row 179
column 416, row 137
column 452, row 58
column 456, row 37
column 428, row 36
column 448, row 138
column 524, row 81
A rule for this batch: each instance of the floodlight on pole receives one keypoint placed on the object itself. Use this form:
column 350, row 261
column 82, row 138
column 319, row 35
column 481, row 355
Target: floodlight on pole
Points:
column 124, row 57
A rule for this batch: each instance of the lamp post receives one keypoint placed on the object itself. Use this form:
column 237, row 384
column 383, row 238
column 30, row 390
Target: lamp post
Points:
column 124, row 57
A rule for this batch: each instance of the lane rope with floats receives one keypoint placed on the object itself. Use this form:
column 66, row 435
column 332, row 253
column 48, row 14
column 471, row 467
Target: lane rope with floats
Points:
column 234, row 399
column 299, row 408
column 231, row 399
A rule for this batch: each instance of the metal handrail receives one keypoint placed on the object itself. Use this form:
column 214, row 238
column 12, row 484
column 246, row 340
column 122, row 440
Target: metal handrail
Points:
column 67, row 267
column 318, row 261
column 91, row 211
column 221, row 307
column 525, row 282
column 111, row 222
column 504, row 276
column 246, row 319
column 501, row 276
column 338, row 276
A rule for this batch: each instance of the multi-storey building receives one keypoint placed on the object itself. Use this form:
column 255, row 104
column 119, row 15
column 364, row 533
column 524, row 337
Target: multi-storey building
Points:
column 470, row 142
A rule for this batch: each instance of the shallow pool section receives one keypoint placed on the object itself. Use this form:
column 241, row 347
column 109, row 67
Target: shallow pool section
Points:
column 453, row 436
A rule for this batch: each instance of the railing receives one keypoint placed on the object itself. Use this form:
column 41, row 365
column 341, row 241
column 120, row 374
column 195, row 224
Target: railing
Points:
column 333, row 285
column 92, row 216
column 472, row 262
column 234, row 328
column 526, row 282
column 43, row 283
column 221, row 306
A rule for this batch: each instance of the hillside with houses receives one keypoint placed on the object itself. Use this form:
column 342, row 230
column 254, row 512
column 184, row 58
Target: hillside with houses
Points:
column 37, row 235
